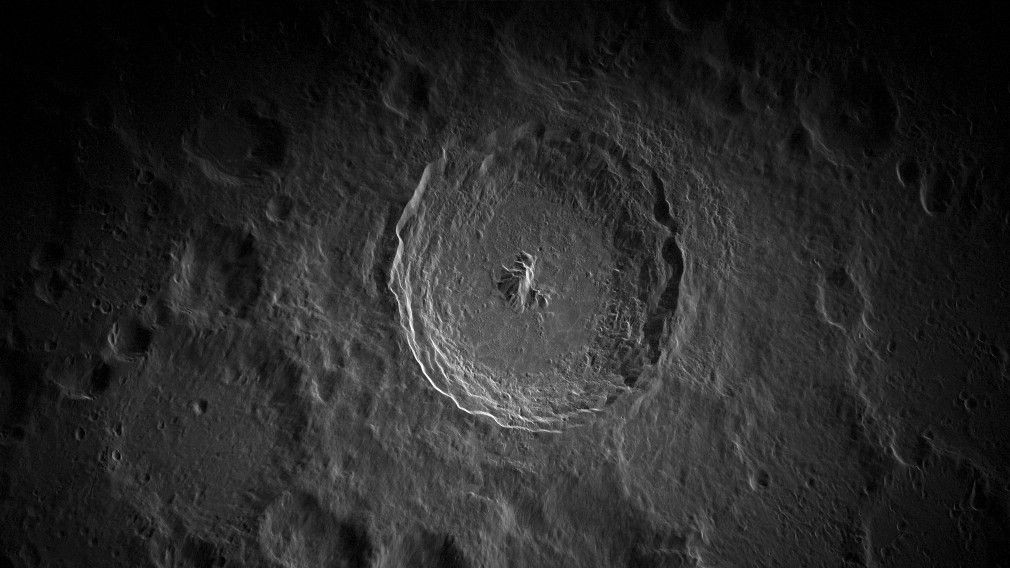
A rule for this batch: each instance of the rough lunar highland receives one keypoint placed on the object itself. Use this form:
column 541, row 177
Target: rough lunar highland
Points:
column 505, row 285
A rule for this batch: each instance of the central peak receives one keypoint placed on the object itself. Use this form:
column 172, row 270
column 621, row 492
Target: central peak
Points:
column 515, row 284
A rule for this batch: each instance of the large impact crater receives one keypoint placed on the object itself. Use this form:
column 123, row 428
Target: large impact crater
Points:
column 536, row 275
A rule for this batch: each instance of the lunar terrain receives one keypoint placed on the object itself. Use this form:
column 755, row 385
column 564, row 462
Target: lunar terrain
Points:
column 504, row 285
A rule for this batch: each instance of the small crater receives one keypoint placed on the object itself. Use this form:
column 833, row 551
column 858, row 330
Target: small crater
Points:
column 432, row 550
column 354, row 547
column 79, row 375
column 365, row 362
column 218, row 272
column 271, row 143
column 238, row 142
column 839, row 300
column 408, row 91
column 202, row 554
column 631, row 369
column 855, row 113
column 279, row 208
column 659, row 551
column 936, row 192
column 729, row 98
column 48, row 255
column 51, row 287
column 29, row 556
column 243, row 275
column 629, row 239
column 130, row 338
column 296, row 530
column 144, row 176
column 99, row 113
column 200, row 407
column 100, row 378
column 975, row 195
column 909, row 172
column 797, row 144
column 978, row 499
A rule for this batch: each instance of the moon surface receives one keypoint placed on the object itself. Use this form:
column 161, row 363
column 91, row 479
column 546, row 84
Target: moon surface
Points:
column 504, row 285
